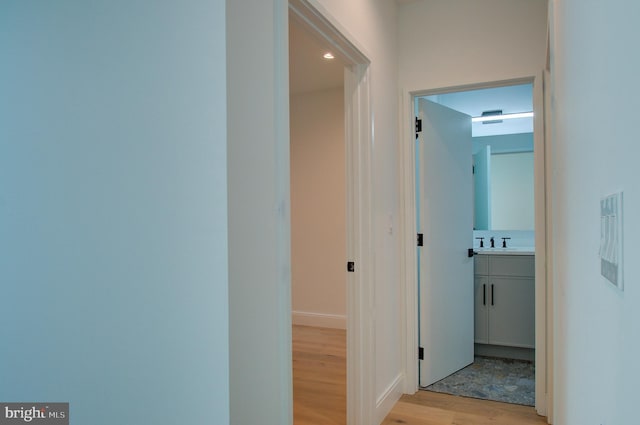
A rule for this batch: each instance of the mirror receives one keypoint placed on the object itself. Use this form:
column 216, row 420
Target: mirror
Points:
column 502, row 155
column 503, row 182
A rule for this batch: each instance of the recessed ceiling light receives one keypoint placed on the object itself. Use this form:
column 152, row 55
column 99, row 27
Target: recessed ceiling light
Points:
column 328, row 55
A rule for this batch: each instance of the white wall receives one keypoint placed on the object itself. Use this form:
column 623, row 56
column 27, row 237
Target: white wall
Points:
column 258, row 163
column 113, row 246
column 372, row 23
column 457, row 42
column 595, row 67
column 318, row 209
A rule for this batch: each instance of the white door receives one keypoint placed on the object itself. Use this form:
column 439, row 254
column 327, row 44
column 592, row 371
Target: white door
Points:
column 446, row 221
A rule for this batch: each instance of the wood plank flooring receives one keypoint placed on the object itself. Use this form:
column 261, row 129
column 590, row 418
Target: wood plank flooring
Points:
column 430, row 408
column 319, row 391
column 319, row 376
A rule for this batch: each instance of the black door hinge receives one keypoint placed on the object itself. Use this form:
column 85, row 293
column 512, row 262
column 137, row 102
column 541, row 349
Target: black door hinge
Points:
column 418, row 125
column 420, row 353
column 420, row 239
column 351, row 266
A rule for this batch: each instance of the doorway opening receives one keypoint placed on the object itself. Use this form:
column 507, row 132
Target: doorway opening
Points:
column 318, row 229
column 497, row 203
column 357, row 154
column 530, row 274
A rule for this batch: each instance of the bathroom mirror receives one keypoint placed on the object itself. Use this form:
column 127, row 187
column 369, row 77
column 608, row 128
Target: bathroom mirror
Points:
column 503, row 182
column 502, row 154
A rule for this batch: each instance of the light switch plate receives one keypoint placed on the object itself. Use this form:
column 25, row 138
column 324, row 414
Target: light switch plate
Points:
column 611, row 239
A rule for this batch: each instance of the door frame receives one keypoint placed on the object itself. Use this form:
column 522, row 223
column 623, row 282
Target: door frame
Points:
column 361, row 400
column 408, row 265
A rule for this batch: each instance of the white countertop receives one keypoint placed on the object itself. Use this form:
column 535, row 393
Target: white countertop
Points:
column 519, row 250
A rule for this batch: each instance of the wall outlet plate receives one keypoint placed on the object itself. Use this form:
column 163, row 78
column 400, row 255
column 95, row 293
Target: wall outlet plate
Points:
column 611, row 239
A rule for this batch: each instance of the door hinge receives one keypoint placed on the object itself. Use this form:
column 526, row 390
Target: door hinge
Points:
column 418, row 125
column 420, row 239
column 351, row 266
column 420, row 353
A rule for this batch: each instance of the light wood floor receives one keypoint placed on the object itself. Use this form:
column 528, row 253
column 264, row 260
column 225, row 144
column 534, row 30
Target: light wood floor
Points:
column 319, row 391
column 319, row 376
column 429, row 408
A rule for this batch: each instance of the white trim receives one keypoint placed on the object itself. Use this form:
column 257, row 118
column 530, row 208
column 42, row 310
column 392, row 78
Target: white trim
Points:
column 540, row 203
column 360, row 289
column 283, row 235
column 408, row 266
column 389, row 398
column 319, row 320
column 359, row 146
column 549, row 244
column 264, row 288
column 408, row 251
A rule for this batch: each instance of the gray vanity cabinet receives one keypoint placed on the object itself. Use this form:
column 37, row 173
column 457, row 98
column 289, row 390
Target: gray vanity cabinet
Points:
column 481, row 312
column 504, row 287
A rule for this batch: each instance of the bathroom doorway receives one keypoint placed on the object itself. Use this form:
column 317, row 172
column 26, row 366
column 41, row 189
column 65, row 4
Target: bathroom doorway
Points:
column 528, row 143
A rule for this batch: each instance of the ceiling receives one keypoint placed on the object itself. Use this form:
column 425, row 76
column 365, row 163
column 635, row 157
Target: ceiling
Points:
column 308, row 70
column 509, row 99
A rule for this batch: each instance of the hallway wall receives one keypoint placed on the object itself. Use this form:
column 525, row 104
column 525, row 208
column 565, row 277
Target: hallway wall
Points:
column 318, row 209
column 113, row 209
column 595, row 66
column 452, row 43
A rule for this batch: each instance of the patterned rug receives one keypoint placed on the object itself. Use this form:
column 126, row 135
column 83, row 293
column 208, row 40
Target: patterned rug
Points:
column 509, row 381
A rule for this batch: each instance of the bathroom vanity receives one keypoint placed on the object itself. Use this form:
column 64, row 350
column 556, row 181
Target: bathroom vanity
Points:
column 504, row 286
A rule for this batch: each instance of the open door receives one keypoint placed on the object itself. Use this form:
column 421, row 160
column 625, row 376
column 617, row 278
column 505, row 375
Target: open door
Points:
column 446, row 222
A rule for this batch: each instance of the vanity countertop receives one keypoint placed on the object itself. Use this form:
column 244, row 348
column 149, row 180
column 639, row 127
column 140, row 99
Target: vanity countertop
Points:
column 519, row 250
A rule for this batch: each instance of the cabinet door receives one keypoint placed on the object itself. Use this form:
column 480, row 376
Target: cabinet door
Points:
column 481, row 310
column 481, row 264
column 512, row 311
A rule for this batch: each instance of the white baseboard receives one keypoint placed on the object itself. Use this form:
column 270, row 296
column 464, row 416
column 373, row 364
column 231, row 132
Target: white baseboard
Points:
column 319, row 320
column 389, row 398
